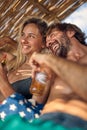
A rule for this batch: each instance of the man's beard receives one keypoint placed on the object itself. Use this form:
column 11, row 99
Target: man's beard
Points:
column 64, row 47
column 62, row 52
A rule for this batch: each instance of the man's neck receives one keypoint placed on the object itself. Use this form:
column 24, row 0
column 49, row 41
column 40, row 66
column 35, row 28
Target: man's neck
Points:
column 77, row 51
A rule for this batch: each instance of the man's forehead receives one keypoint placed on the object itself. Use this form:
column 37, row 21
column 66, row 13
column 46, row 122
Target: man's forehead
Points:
column 54, row 30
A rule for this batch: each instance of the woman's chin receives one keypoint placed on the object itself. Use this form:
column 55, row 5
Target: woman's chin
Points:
column 26, row 52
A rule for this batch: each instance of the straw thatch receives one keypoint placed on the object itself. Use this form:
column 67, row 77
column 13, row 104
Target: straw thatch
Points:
column 12, row 12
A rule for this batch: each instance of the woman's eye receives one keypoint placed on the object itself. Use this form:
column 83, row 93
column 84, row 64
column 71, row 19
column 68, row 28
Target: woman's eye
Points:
column 22, row 34
column 31, row 36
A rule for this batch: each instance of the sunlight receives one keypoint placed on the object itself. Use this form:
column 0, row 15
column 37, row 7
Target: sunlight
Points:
column 79, row 18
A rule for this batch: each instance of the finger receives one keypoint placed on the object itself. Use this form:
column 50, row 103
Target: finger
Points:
column 26, row 71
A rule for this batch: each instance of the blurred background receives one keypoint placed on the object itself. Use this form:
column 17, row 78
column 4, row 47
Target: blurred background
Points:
column 12, row 13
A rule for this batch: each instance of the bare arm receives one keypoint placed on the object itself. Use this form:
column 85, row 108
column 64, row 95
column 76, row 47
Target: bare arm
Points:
column 5, row 86
column 74, row 74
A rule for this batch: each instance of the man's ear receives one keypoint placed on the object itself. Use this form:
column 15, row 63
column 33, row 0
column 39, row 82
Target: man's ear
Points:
column 70, row 33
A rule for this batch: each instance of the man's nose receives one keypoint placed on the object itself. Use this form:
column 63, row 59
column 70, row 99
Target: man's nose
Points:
column 48, row 40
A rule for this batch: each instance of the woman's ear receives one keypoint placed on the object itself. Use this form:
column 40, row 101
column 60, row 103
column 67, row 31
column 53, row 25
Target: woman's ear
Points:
column 70, row 33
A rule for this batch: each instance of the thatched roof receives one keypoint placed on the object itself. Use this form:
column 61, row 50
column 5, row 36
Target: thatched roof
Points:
column 12, row 12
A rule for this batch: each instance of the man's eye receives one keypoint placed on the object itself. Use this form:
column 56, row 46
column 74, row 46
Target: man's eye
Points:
column 52, row 35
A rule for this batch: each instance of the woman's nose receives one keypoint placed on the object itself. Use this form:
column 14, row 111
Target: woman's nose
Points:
column 24, row 40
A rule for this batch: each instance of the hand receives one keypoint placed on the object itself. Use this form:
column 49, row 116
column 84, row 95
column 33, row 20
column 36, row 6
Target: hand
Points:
column 41, row 62
column 38, row 59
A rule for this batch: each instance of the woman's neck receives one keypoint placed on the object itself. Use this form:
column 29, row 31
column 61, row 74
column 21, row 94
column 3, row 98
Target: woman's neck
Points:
column 28, row 58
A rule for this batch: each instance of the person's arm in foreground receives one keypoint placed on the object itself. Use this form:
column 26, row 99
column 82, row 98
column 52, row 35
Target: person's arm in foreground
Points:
column 5, row 86
column 49, row 81
column 72, row 73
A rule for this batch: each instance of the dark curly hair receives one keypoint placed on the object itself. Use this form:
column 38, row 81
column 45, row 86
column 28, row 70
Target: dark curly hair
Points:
column 79, row 35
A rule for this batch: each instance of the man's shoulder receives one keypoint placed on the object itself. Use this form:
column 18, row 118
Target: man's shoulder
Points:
column 83, row 60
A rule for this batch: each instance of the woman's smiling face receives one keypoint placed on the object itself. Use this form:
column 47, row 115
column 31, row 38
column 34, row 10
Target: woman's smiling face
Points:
column 31, row 39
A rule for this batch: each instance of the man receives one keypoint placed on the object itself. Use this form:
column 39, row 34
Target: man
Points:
column 66, row 104
column 68, row 95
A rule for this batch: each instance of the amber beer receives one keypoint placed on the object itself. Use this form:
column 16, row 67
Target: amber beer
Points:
column 38, row 84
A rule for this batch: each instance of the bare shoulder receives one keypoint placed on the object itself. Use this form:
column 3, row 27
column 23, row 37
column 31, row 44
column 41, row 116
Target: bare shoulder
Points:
column 83, row 60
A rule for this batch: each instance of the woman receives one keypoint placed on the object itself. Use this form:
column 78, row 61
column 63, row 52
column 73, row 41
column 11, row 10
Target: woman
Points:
column 31, row 38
